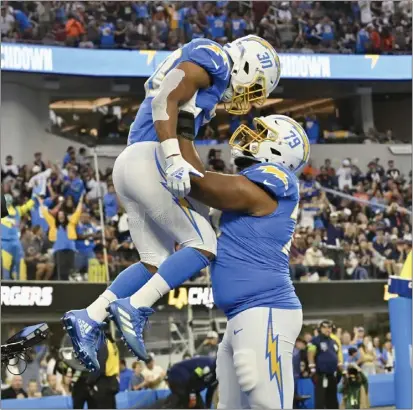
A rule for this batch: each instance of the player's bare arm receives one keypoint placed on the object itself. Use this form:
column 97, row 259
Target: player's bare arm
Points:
column 227, row 192
column 177, row 88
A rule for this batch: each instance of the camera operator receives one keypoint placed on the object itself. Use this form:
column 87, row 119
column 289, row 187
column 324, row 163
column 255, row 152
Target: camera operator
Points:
column 188, row 378
column 323, row 361
column 355, row 389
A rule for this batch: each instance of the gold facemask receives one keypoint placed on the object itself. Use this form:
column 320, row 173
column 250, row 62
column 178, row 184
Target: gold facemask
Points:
column 244, row 96
column 247, row 140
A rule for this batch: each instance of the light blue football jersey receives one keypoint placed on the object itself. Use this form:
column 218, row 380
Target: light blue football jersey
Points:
column 252, row 264
column 202, row 52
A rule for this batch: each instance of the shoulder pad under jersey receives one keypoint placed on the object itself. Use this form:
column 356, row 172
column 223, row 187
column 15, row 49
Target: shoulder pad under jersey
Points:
column 274, row 178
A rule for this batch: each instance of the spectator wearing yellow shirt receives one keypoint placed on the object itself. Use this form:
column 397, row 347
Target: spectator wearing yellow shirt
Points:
column 62, row 233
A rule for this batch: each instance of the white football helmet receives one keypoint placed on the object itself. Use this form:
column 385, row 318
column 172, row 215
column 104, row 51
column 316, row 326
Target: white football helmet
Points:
column 276, row 138
column 255, row 73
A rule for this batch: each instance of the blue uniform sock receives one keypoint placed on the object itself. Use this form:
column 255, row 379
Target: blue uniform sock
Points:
column 130, row 280
column 181, row 266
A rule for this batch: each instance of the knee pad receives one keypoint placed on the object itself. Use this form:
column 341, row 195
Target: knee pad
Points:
column 245, row 369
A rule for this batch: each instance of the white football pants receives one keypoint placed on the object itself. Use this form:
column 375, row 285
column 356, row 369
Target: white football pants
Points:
column 157, row 220
column 254, row 361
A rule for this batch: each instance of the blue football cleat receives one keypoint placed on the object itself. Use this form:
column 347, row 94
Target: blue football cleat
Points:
column 86, row 336
column 130, row 322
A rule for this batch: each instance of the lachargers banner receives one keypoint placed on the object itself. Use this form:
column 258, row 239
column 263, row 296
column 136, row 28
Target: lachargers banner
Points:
column 29, row 299
column 142, row 63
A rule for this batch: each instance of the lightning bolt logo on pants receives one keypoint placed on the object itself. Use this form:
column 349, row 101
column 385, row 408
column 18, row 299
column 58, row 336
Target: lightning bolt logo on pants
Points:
column 274, row 360
column 181, row 202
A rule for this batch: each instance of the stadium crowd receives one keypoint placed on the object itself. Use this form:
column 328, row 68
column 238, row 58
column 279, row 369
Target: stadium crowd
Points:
column 363, row 27
column 336, row 238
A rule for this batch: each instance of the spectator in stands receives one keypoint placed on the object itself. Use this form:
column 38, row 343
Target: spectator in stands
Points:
column 297, row 269
column 367, row 358
column 137, row 380
column 74, row 30
column 69, row 156
column 52, row 388
column 62, row 233
column 73, row 186
column 33, row 390
column 217, row 20
column 7, row 21
column 107, row 33
column 110, row 203
column 38, row 264
column 318, row 265
column 154, row 374
column 87, row 233
column 24, row 25
column 39, row 162
column 15, row 391
column 9, row 171
column 388, row 356
column 209, row 346
column 351, row 264
column 312, row 128
column 97, row 272
column 344, row 176
column 125, row 375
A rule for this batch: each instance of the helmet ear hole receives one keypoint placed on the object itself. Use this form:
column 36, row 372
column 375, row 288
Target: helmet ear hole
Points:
column 246, row 67
column 275, row 152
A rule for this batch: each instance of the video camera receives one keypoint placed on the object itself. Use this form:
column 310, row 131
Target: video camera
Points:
column 17, row 345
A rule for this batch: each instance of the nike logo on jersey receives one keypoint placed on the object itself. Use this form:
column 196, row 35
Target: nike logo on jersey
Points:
column 237, row 331
column 268, row 183
column 84, row 327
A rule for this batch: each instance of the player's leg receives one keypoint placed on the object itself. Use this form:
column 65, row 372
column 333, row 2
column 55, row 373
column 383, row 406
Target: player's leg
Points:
column 154, row 247
column 263, row 343
column 179, row 222
column 230, row 395
column 187, row 223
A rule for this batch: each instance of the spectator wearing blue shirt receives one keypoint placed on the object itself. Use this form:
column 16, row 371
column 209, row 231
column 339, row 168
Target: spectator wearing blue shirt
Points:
column 125, row 376
column 74, row 186
column 23, row 23
column 141, row 10
column 137, row 380
column 69, row 156
column 238, row 26
column 345, row 347
column 216, row 25
column 312, row 128
column 110, row 202
column 362, row 41
column 327, row 31
column 85, row 244
column 107, row 34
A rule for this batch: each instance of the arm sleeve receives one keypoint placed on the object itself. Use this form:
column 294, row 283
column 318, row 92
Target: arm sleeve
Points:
column 23, row 209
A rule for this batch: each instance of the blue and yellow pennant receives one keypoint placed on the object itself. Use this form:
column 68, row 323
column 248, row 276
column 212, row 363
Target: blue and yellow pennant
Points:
column 274, row 360
column 183, row 203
